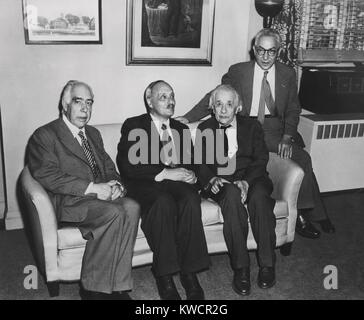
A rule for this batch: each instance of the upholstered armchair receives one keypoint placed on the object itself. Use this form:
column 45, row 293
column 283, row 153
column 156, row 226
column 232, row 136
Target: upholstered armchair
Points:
column 59, row 251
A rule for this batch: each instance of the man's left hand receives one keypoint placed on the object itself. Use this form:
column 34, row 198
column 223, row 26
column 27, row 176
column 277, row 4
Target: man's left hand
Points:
column 117, row 189
column 285, row 147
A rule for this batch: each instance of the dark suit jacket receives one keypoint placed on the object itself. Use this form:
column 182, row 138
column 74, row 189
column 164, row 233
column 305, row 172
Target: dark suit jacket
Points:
column 136, row 172
column 57, row 161
column 240, row 76
column 251, row 157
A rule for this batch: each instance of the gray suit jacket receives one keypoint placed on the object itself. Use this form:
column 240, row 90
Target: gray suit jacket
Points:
column 57, row 161
column 240, row 76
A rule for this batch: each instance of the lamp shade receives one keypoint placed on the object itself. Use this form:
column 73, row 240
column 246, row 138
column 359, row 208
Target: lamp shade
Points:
column 268, row 9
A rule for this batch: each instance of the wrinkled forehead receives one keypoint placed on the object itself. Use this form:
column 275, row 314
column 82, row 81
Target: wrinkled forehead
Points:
column 225, row 95
column 267, row 42
column 161, row 87
column 82, row 91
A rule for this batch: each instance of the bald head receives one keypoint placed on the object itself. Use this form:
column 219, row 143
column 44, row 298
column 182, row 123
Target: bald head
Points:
column 159, row 99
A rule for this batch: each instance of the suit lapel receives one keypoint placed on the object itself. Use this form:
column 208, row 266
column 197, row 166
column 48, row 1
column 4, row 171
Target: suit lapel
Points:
column 152, row 133
column 281, row 87
column 177, row 136
column 247, row 80
column 95, row 146
column 69, row 141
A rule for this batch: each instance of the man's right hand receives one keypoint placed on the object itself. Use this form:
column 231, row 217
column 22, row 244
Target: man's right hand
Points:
column 102, row 190
column 180, row 174
column 216, row 183
column 182, row 119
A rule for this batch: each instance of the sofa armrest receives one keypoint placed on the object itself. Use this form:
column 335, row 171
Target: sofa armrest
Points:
column 41, row 220
column 287, row 178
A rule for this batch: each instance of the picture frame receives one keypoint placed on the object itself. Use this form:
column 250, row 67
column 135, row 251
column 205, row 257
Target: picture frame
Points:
column 174, row 32
column 62, row 21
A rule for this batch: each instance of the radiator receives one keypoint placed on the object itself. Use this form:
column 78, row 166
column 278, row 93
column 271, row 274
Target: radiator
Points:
column 336, row 145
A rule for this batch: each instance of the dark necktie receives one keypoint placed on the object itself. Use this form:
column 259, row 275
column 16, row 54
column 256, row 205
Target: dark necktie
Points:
column 167, row 150
column 266, row 98
column 226, row 141
column 89, row 155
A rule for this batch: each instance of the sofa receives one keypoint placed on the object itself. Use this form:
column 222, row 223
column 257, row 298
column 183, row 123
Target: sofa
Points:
column 59, row 251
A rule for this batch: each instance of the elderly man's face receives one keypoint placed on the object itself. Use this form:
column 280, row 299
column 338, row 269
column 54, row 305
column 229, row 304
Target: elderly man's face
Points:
column 266, row 52
column 79, row 110
column 162, row 101
column 225, row 107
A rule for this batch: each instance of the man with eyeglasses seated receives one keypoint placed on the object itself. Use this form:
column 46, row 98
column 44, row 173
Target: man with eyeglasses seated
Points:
column 268, row 91
column 67, row 157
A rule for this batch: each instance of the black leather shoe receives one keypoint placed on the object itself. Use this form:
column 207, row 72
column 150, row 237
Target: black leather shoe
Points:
column 266, row 277
column 241, row 281
column 94, row 295
column 193, row 289
column 120, row 295
column 327, row 226
column 306, row 229
column 166, row 288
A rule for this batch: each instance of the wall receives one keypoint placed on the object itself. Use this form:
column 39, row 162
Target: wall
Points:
column 33, row 75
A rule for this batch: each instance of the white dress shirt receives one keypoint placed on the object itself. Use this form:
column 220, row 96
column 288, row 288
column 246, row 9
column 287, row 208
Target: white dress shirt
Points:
column 158, row 124
column 257, row 86
column 74, row 130
column 231, row 134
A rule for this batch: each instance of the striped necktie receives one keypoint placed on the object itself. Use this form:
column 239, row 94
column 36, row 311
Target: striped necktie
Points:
column 89, row 155
column 266, row 98
column 169, row 155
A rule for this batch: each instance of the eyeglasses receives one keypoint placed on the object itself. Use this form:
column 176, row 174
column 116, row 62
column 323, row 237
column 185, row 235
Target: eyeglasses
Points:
column 261, row 51
column 81, row 102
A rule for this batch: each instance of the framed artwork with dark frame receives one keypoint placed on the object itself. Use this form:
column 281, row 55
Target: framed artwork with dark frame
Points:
column 62, row 21
column 170, row 32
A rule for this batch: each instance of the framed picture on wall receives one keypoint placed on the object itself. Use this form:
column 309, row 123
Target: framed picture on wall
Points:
column 170, row 32
column 62, row 21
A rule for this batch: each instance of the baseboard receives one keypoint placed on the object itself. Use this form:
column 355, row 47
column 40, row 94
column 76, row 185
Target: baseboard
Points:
column 13, row 220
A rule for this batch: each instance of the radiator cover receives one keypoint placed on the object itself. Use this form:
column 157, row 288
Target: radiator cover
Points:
column 336, row 145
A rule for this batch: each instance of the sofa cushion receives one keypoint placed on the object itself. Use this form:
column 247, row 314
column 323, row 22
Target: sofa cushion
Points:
column 69, row 238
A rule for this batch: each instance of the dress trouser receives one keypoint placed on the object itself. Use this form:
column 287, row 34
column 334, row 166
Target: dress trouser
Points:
column 110, row 228
column 309, row 194
column 171, row 222
column 261, row 217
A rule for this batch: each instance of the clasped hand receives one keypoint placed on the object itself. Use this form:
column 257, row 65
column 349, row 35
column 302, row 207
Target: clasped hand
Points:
column 216, row 183
column 109, row 191
column 180, row 174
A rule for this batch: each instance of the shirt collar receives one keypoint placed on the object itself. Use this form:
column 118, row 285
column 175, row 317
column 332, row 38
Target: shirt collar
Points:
column 259, row 70
column 231, row 125
column 158, row 123
column 74, row 130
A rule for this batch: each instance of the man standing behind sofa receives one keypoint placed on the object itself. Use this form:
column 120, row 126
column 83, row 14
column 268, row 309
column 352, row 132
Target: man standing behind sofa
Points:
column 243, row 143
column 269, row 93
column 165, row 188
column 67, row 157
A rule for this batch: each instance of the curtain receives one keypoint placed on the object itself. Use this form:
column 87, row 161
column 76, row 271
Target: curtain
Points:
column 288, row 24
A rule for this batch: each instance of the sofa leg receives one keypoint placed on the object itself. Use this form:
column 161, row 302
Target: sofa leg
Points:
column 53, row 288
column 286, row 249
